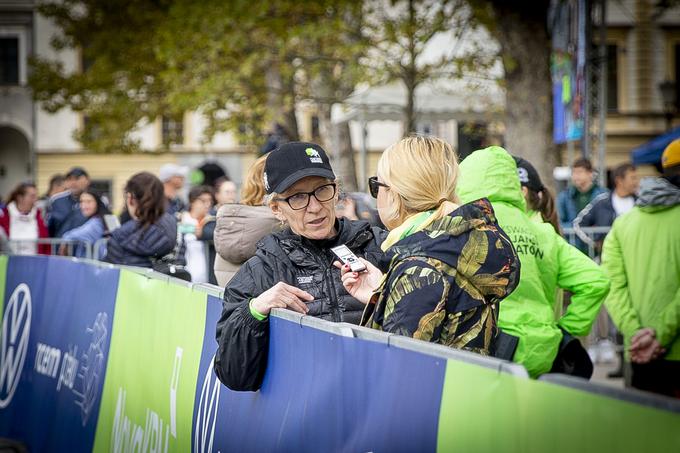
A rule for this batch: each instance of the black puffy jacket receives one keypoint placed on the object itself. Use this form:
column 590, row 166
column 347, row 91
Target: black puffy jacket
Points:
column 243, row 341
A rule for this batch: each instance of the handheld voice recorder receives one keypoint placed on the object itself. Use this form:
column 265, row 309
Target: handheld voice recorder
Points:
column 348, row 257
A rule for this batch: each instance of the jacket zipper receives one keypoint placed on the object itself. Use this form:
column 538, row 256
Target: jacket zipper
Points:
column 335, row 304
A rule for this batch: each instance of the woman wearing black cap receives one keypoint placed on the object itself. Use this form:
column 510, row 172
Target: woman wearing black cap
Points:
column 540, row 201
column 293, row 268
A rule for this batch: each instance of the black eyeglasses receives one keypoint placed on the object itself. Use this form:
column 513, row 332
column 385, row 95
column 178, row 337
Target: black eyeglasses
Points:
column 374, row 186
column 300, row 200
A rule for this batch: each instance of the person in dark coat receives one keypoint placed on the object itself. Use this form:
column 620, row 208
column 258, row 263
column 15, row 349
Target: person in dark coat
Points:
column 606, row 207
column 151, row 232
column 293, row 268
column 64, row 214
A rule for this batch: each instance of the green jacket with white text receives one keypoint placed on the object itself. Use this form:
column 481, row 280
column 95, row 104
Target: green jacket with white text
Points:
column 547, row 261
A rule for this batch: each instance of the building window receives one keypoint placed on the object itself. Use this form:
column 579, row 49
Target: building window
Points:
column 172, row 130
column 612, row 79
column 103, row 188
column 9, row 61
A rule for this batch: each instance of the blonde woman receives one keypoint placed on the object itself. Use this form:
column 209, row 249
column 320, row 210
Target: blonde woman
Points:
column 451, row 264
column 240, row 226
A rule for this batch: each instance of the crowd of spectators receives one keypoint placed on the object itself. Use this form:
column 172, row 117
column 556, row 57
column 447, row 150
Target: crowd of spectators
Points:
column 470, row 255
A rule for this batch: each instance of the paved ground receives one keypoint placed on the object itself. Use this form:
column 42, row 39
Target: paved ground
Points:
column 600, row 374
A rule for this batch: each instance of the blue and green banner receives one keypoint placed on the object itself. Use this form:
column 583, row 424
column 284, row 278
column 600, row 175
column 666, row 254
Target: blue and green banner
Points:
column 148, row 395
column 96, row 358
column 56, row 330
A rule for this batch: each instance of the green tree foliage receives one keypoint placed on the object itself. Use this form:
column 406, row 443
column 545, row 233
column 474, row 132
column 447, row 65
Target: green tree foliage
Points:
column 118, row 85
column 241, row 63
column 400, row 34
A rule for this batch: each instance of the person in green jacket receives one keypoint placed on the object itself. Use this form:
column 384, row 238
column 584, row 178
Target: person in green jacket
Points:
column 641, row 255
column 547, row 261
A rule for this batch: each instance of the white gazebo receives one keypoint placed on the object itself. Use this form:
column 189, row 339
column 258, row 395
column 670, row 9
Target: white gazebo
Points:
column 376, row 113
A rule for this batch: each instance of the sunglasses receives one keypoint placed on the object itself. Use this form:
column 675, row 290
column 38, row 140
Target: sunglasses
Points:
column 374, row 186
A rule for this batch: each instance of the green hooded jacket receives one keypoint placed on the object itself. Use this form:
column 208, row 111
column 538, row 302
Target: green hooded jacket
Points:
column 547, row 260
column 641, row 254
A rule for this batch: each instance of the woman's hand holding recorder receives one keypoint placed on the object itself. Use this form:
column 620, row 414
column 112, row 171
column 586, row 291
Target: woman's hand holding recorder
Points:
column 360, row 285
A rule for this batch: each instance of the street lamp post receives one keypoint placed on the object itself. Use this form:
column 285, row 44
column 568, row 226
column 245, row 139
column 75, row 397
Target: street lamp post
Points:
column 667, row 88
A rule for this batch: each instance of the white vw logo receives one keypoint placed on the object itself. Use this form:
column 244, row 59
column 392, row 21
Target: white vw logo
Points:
column 207, row 412
column 16, row 327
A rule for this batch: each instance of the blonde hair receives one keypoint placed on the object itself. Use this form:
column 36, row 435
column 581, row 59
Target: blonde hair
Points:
column 422, row 173
column 252, row 191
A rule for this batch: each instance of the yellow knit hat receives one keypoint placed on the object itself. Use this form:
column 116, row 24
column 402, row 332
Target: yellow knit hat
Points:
column 671, row 155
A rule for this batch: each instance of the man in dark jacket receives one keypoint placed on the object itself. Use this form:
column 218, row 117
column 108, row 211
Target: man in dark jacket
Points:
column 293, row 268
column 65, row 212
column 574, row 198
column 582, row 191
column 606, row 207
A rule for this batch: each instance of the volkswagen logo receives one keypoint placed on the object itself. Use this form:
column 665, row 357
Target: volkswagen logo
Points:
column 16, row 327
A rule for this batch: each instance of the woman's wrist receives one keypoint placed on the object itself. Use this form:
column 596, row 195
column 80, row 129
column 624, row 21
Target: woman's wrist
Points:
column 255, row 313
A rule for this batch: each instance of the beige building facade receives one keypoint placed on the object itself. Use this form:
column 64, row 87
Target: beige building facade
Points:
column 643, row 43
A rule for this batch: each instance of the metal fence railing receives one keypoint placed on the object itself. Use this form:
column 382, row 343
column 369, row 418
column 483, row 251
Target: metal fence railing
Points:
column 98, row 247
column 602, row 342
column 590, row 237
column 47, row 246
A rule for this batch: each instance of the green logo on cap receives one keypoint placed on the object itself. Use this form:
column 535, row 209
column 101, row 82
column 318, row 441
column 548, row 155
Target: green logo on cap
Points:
column 314, row 156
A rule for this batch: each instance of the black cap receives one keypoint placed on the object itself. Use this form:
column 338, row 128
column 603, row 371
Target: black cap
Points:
column 293, row 161
column 77, row 172
column 528, row 176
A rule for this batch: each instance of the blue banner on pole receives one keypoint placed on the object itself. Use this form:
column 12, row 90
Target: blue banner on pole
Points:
column 55, row 341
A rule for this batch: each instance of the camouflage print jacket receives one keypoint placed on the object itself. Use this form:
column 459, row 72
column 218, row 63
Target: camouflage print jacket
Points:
column 445, row 281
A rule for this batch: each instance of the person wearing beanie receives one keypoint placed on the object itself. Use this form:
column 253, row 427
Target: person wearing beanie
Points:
column 292, row 268
column 641, row 256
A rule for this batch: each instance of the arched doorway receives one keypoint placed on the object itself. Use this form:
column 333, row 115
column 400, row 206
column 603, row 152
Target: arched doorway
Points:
column 15, row 159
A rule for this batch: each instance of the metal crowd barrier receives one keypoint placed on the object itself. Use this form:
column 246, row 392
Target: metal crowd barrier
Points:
column 629, row 395
column 97, row 246
column 353, row 331
column 601, row 341
column 572, row 237
column 57, row 246
column 501, row 366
